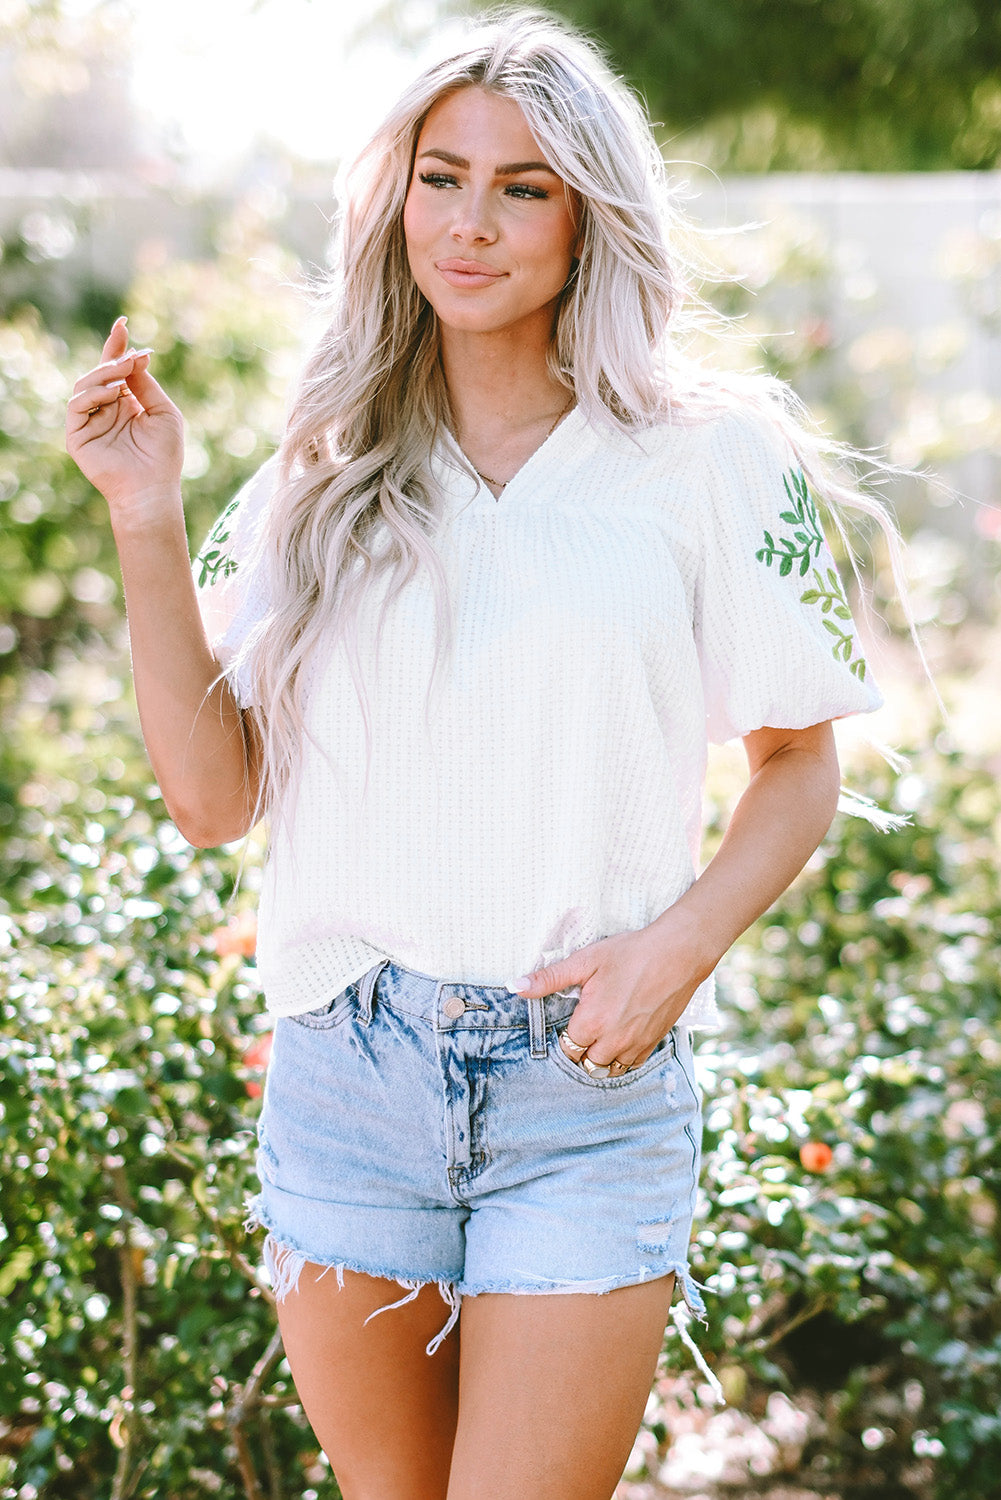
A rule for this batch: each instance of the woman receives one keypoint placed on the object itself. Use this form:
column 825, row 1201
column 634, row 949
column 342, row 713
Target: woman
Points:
column 464, row 639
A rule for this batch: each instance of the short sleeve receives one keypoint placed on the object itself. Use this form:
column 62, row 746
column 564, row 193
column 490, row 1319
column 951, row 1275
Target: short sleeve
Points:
column 229, row 572
column 777, row 643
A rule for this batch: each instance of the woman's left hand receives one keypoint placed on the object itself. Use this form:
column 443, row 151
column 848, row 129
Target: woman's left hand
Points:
column 635, row 985
column 633, row 988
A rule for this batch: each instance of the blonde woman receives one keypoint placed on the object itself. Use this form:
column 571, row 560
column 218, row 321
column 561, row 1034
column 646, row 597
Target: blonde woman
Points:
column 463, row 641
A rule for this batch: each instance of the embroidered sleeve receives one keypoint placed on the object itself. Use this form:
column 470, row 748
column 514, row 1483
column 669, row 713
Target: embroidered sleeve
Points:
column 215, row 560
column 776, row 638
column 807, row 543
column 229, row 576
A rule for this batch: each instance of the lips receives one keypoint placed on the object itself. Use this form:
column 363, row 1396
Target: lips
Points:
column 467, row 273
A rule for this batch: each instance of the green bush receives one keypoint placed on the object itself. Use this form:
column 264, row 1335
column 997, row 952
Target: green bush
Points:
column 864, row 1017
column 132, row 1317
column 226, row 333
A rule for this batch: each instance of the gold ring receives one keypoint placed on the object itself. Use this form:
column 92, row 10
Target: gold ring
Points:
column 593, row 1069
column 93, row 410
column 618, row 1067
column 573, row 1049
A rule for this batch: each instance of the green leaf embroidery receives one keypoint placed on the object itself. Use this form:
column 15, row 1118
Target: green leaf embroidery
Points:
column 807, row 538
column 805, row 546
column 215, row 562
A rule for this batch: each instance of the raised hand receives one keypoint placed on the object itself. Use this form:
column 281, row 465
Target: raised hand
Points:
column 122, row 430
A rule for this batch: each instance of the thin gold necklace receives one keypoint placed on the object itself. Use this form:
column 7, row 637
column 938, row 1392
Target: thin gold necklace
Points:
column 502, row 484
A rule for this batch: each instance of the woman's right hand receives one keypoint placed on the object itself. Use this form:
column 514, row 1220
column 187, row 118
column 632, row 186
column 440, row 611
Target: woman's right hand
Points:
column 123, row 431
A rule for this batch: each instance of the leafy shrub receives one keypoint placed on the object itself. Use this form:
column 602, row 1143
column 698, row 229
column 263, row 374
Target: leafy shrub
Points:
column 132, row 1314
column 851, row 1199
column 225, row 333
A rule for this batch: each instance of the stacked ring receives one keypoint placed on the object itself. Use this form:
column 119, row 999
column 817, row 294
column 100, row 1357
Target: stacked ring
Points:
column 573, row 1049
column 577, row 1052
column 593, row 1069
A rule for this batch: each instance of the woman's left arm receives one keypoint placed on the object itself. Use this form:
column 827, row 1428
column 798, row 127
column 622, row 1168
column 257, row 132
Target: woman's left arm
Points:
column 635, row 985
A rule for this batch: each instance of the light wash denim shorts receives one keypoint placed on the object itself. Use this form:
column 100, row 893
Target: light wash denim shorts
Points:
column 426, row 1131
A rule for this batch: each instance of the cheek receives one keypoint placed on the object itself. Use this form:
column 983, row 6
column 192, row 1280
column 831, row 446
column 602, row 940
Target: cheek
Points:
column 411, row 222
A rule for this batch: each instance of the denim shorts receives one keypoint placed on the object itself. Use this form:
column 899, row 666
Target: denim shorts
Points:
column 427, row 1131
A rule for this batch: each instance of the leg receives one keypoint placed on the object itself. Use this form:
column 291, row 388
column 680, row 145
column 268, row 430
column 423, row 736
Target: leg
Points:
column 552, row 1391
column 383, row 1410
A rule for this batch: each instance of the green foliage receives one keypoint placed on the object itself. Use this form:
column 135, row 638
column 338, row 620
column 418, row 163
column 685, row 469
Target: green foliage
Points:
column 754, row 85
column 225, row 333
column 131, row 1314
column 864, row 1015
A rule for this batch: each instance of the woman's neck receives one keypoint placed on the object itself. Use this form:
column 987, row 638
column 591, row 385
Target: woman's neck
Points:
column 500, row 393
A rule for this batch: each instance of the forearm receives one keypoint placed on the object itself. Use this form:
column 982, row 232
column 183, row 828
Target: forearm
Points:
column 779, row 821
column 195, row 735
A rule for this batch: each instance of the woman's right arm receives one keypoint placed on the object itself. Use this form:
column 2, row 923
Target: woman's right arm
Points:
column 203, row 750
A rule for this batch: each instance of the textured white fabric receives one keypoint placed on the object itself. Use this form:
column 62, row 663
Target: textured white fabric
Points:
column 623, row 601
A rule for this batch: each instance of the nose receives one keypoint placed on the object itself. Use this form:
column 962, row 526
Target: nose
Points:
column 473, row 221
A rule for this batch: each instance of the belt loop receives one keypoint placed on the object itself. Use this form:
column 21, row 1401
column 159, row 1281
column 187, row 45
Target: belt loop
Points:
column 366, row 990
column 537, row 1027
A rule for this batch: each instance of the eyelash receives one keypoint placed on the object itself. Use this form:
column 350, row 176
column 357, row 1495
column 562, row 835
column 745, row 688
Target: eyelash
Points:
column 518, row 190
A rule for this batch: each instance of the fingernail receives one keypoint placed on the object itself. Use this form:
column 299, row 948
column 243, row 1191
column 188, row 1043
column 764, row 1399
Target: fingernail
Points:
column 138, row 353
column 524, row 983
column 123, row 320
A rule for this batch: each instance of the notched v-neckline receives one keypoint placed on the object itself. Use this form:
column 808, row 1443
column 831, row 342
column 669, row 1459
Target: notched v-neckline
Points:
column 547, row 441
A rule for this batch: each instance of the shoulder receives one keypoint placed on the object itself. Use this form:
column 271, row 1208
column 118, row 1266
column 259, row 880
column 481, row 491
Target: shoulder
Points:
column 750, row 469
column 731, row 436
column 736, row 438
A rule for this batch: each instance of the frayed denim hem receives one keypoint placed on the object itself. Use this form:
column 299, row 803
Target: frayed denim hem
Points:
column 600, row 1286
column 284, row 1264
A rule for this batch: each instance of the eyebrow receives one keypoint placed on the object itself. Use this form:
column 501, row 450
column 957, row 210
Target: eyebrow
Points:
column 506, row 169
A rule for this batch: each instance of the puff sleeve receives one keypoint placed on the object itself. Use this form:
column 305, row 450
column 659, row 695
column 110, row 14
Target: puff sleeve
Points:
column 230, row 580
column 777, row 644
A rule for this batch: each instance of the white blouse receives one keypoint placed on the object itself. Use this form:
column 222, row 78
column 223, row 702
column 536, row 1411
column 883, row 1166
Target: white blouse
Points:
column 625, row 600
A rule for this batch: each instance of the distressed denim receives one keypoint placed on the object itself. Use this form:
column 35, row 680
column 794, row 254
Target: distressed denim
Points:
column 427, row 1131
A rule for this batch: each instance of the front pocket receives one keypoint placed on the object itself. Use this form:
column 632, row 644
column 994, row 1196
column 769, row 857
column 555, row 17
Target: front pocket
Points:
column 332, row 1014
column 663, row 1051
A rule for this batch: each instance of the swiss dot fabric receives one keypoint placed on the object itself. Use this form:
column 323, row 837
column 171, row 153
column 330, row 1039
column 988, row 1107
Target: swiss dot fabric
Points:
column 624, row 601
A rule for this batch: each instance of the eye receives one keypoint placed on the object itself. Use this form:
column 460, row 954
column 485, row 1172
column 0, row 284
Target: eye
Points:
column 525, row 190
column 437, row 179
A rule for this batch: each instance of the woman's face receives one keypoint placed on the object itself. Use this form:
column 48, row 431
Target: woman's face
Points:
column 490, row 227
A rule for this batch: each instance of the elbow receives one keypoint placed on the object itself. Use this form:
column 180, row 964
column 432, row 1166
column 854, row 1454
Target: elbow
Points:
column 208, row 827
column 205, row 837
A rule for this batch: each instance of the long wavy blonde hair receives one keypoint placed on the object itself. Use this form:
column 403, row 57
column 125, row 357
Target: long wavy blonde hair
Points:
column 356, row 499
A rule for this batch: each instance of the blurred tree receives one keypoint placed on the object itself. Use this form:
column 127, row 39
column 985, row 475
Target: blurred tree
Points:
column 753, row 85
column 64, row 80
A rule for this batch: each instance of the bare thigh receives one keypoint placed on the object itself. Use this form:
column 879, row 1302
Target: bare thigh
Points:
column 382, row 1409
column 552, row 1391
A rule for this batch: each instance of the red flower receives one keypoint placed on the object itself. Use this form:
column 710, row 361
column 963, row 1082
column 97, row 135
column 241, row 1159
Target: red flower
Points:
column 238, row 936
column 257, row 1055
column 816, row 1156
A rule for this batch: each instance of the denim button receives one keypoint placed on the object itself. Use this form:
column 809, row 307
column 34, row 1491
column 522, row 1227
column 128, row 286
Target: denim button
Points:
column 454, row 1008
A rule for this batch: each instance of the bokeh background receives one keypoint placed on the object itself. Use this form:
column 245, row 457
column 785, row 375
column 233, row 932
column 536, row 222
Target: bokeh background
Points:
column 175, row 162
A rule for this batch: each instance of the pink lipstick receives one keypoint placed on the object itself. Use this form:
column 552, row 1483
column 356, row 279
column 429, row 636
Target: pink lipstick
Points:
column 467, row 273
